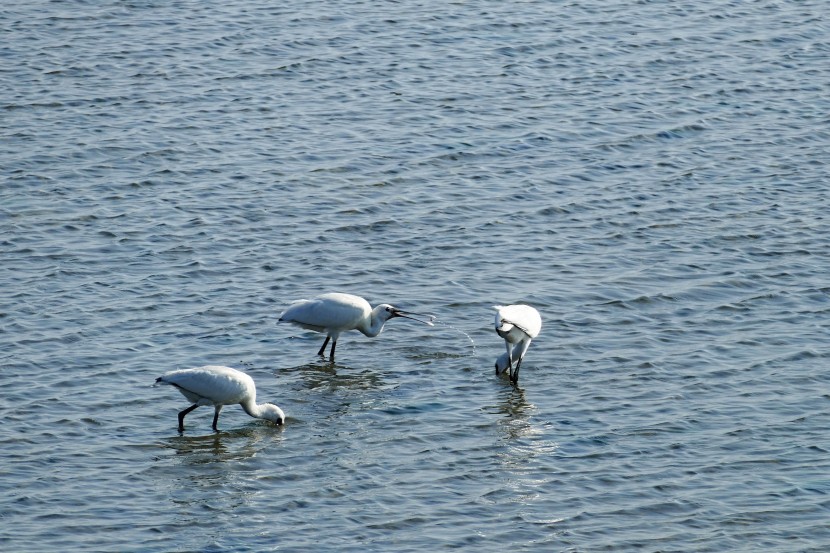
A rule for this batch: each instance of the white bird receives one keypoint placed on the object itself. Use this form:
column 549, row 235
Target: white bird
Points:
column 517, row 324
column 219, row 386
column 335, row 313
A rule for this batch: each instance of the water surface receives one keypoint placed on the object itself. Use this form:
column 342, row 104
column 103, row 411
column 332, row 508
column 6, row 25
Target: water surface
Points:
column 651, row 176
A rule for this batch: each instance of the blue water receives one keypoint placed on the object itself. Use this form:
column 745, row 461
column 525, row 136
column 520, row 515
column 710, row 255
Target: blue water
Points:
column 651, row 176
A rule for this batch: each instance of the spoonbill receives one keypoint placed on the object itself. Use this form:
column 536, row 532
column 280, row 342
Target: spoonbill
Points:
column 517, row 324
column 219, row 386
column 335, row 313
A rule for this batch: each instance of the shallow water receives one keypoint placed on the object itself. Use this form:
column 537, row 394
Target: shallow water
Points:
column 650, row 176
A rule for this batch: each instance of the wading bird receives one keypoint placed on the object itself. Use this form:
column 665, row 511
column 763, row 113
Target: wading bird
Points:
column 517, row 324
column 335, row 313
column 219, row 386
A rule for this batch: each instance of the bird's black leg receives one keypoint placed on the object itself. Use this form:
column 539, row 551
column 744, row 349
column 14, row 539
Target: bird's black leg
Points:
column 216, row 417
column 322, row 351
column 333, row 345
column 182, row 414
column 514, row 378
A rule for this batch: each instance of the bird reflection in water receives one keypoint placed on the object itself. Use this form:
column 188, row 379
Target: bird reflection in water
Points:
column 234, row 445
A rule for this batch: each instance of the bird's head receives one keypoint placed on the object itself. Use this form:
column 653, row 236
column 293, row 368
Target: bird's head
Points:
column 387, row 312
column 504, row 327
column 271, row 412
column 501, row 363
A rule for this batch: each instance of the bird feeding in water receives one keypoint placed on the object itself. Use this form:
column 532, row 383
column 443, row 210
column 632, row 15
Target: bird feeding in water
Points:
column 219, row 386
column 517, row 324
column 335, row 313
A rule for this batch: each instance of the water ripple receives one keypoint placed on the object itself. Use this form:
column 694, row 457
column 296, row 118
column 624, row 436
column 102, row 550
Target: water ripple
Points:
column 650, row 176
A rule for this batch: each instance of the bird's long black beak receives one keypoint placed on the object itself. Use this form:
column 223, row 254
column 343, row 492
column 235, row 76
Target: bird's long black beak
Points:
column 409, row 315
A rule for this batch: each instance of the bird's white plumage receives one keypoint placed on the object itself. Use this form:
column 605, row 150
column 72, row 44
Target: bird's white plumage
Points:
column 219, row 386
column 330, row 313
column 335, row 313
column 518, row 324
column 212, row 385
column 515, row 322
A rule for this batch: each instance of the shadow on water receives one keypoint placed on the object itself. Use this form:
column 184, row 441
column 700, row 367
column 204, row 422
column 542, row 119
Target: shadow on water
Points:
column 225, row 445
column 333, row 376
column 526, row 444
column 213, row 473
column 515, row 411
column 516, row 415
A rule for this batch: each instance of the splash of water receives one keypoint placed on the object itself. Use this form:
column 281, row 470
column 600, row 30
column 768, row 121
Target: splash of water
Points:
column 470, row 338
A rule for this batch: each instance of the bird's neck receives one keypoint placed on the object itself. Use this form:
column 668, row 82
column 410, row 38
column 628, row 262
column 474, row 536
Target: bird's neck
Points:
column 374, row 326
column 374, row 329
column 250, row 406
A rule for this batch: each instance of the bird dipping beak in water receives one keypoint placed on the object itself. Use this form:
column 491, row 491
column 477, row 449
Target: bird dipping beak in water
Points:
column 519, row 325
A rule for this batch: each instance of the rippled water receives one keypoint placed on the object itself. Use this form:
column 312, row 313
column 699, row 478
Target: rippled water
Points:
column 652, row 176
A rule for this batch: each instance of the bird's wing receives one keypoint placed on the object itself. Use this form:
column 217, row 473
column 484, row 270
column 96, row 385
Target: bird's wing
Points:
column 298, row 314
column 323, row 313
column 220, row 384
column 523, row 317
